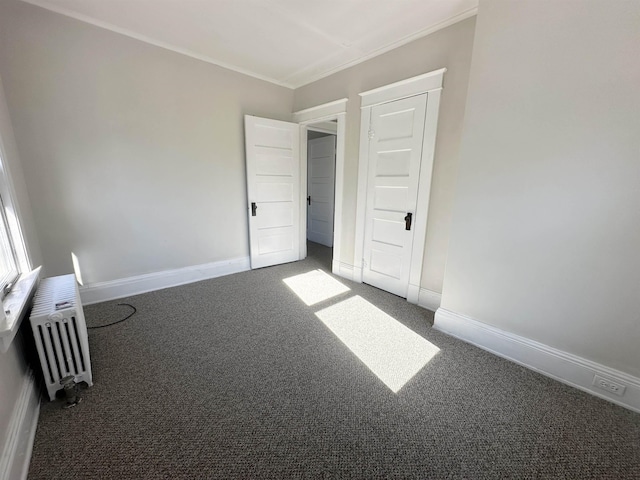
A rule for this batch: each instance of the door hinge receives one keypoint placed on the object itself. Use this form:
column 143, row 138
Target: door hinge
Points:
column 372, row 134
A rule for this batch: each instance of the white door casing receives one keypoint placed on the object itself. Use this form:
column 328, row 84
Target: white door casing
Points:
column 321, row 166
column 337, row 111
column 431, row 84
column 273, row 186
column 395, row 151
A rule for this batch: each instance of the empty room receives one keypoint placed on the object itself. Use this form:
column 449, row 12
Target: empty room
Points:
column 362, row 239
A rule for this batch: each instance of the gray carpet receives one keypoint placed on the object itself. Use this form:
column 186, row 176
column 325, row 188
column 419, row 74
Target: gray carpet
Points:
column 236, row 377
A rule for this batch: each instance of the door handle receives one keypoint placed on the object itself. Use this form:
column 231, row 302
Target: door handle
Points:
column 407, row 221
column 254, row 207
column 309, row 200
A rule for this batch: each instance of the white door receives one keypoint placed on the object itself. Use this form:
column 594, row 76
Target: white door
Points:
column 321, row 169
column 273, row 190
column 395, row 150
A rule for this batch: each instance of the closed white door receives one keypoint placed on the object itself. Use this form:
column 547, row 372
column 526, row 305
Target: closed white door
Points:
column 395, row 150
column 273, row 190
column 321, row 169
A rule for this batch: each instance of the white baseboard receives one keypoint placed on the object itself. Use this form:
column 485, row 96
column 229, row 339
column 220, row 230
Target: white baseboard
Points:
column 429, row 299
column 413, row 294
column 344, row 270
column 125, row 287
column 16, row 455
column 562, row 366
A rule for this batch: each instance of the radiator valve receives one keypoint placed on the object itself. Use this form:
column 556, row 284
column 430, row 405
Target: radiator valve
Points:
column 70, row 391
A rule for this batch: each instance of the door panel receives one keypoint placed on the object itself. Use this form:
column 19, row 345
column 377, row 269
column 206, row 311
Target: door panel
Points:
column 321, row 161
column 395, row 152
column 273, row 184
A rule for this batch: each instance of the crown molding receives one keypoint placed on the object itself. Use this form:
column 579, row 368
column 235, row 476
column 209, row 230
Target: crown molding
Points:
column 152, row 41
column 403, row 41
column 288, row 82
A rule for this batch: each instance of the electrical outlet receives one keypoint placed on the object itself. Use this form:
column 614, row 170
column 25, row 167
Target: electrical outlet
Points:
column 610, row 386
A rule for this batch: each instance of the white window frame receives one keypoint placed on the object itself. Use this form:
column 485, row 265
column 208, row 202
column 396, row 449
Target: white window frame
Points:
column 7, row 251
column 15, row 303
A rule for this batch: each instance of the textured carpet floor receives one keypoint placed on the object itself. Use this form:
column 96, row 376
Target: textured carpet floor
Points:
column 236, row 377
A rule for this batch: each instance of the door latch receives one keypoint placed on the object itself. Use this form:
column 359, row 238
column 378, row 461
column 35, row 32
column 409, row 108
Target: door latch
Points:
column 407, row 221
column 254, row 207
column 309, row 200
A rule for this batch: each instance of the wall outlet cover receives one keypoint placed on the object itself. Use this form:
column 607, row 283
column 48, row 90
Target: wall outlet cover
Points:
column 612, row 386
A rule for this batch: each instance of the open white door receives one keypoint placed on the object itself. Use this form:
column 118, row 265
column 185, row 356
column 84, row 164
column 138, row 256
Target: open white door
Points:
column 273, row 190
column 395, row 151
column 321, row 168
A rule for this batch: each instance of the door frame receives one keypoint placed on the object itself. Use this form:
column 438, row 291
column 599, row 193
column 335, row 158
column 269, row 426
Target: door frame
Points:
column 431, row 84
column 325, row 127
column 336, row 110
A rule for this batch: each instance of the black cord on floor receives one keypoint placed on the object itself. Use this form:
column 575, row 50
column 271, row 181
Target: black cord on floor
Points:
column 118, row 321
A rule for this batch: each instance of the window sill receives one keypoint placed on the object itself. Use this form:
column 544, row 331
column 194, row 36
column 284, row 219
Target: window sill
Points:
column 17, row 303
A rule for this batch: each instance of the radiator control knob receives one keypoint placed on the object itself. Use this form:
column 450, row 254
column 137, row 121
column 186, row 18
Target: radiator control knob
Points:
column 55, row 317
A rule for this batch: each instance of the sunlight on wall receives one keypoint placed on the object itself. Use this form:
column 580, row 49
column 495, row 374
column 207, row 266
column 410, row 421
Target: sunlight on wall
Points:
column 76, row 268
column 315, row 286
column 392, row 351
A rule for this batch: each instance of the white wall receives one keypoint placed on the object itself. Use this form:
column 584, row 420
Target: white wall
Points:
column 133, row 155
column 451, row 48
column 546, row 229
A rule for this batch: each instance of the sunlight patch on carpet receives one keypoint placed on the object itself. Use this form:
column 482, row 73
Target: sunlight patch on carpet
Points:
column 393, row 352
column 315, row 286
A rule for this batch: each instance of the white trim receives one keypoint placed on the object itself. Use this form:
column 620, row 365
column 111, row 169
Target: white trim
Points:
column 152, row 41
column 413, row 293
column 344, row 270
column 320, row 130
column 17, row 303
column 302, row 233
column 429, row 299
column 125, row 287
column 408, row 87
column 408, row 39
column 338, row 204
column 424, row 188
column 16, row 454
column 336, row 110
column 324, row 127
column 562, row 366
column 284, row 83
column 361, row 195
column 320, row 112
column 10, row 162
column 430, row 83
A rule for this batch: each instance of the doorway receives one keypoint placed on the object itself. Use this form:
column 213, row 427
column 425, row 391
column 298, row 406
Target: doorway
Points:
column 277, row 189
column 321, row 167
column 322, row 137
column 395, row 154
column 397, row 143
